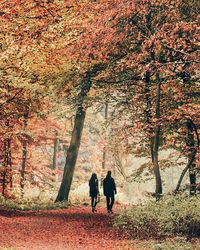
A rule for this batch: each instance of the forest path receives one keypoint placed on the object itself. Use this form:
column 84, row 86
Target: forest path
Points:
column 70, row 229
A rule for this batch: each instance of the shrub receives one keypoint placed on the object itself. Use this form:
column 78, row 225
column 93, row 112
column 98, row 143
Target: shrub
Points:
column 176, row 243
column 31, row 204
column 172, row 215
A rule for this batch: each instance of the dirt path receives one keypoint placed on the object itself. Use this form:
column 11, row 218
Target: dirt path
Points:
column 75, row 228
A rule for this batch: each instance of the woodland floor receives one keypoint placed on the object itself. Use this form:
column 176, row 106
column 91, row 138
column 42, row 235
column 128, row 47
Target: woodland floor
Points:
column 73, row 228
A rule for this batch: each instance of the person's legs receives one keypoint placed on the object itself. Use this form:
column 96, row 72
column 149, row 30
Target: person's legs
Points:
column 95, row 203
column 112, row 202
column 108, row 203
column 92, row 203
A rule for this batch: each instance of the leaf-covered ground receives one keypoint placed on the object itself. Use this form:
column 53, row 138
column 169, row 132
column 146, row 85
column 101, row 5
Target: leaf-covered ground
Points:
column 74, row 228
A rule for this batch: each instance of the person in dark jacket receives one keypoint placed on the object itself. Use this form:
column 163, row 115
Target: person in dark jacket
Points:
column 94, row 191
column 109, row 190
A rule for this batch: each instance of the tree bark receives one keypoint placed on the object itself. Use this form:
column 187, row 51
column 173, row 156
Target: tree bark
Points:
column 104, row 149
column 154, row 134
column 7, row 162
column 55, row 150
column 5, row 167
column 192, row 149
column 191, row 158
column 24, row 150
column 156, row 142
column 190, row 161
column 72, row 152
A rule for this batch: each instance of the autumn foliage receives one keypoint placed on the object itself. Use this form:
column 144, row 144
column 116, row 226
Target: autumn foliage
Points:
column 146, row 56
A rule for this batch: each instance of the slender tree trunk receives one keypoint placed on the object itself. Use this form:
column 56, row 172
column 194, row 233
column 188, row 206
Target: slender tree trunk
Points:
column 3, row 183
column 104, row 149
column 5, row 167
column 154, row 134
column 190, row 161
column 156, row 142
column 24, row 151
column 7, row 160
column 192, row 178
column 191, row 128
column 7, row 163
column 8, row 155
column 55, row 151
column 192, row 150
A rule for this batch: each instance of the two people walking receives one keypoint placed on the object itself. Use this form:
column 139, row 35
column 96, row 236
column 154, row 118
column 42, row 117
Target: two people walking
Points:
column 109, row 190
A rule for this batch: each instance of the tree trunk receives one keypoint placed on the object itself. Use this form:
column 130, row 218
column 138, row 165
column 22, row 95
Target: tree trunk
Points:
column 5, row 167
column 7, row 163
column 3, row 183
column 55, row 150
column 192, row 178
column 190, row 161
column 191, row 128
column 156, row 142
column 104, row 149
column 154, row 134
column 72, row 152
column 192, row 150
column 24, row 151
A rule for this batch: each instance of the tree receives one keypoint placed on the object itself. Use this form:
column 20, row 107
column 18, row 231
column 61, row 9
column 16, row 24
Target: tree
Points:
column 73, row 149
column 24, row 149
column 192, row 151
column 154, row 37
column 149, row 50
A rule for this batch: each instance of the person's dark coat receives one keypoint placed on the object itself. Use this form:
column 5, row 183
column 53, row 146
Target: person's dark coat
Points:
column 94, row 187
column 109, row 187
